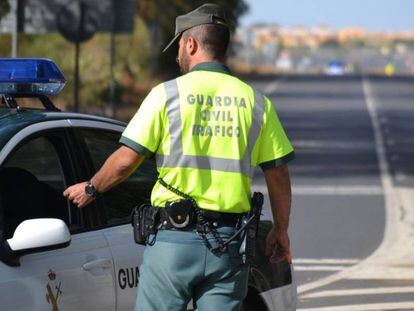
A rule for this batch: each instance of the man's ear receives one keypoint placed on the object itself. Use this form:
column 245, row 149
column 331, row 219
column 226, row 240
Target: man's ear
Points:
column 191, row 46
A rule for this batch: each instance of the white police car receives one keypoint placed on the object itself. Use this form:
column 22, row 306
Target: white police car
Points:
column 54, row 256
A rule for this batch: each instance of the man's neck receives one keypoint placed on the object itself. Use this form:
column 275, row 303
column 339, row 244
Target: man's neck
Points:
column 200, row 60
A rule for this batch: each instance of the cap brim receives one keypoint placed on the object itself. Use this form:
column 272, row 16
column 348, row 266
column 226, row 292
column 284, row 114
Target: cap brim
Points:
column 174, row 40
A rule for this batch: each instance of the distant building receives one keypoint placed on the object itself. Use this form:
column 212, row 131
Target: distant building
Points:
column 293, row 36
column 312, row 49
column 351, row 34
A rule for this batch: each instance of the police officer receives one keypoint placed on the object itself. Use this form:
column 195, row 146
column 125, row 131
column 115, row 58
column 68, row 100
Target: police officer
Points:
column 208, row 130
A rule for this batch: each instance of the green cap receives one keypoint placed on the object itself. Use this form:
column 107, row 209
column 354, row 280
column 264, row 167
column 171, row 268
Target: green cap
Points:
column 208, row 13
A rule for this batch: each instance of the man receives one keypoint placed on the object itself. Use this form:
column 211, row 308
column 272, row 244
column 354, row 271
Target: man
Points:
column 208, row 130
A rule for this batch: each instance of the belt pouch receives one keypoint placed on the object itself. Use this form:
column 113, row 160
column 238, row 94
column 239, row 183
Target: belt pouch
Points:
column 179, row 213
column 145, row 219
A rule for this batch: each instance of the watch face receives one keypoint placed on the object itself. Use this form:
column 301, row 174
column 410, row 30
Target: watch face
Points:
column 90, row 190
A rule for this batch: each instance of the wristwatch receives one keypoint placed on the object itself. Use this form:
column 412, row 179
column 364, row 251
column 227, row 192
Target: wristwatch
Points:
column 90, row 190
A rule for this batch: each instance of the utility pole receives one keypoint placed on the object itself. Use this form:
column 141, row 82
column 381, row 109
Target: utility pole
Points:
column 15, row 27
column 77, row 23
column 112, row 82
column 76, row 78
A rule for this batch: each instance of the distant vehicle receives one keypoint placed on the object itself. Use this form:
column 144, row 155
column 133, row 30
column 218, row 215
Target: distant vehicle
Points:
column 389, row 69
column 335, row 68
column 55, row 256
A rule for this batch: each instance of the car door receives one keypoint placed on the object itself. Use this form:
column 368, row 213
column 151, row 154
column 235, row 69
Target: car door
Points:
column 117, row 205
column 78, row 277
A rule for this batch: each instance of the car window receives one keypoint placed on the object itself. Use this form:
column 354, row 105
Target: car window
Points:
column 136, row 190
column 31, row 184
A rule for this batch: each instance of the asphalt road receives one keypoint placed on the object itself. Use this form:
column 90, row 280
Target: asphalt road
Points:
column 351, row 222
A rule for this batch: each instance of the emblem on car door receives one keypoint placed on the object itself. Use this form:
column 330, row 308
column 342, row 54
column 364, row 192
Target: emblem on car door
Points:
column 53, row 291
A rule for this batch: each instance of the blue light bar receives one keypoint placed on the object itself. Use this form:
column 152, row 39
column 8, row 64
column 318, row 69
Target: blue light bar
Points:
column 30, row 77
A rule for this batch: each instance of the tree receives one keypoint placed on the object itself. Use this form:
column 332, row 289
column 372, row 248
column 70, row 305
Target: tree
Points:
column 4, row 8
column 159, row 17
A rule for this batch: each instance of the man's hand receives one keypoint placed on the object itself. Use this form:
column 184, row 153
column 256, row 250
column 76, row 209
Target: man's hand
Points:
column 278, row 246
column 122, row 163
column 76, row 193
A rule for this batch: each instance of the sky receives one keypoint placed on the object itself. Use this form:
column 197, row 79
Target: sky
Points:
column 371, row 14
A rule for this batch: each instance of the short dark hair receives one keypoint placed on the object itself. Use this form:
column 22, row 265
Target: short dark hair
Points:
column 213, row 38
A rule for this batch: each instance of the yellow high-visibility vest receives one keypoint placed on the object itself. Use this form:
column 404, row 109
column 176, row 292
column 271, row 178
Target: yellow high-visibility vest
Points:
column 208, row 130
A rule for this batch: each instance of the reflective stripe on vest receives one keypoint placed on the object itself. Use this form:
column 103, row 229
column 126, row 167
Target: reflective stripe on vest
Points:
column 178, row 159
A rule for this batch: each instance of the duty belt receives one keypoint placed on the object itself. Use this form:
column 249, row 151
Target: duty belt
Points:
column 182, row 212
column 179, row 214
column 171, row 220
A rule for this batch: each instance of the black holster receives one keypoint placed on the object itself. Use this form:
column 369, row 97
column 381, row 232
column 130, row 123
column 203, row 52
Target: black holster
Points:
column 248, row 248
column 145, row 220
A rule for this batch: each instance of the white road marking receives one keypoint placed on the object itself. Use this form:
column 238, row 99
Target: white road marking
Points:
column 361, row 291
column 397, row 245
column 352, row 144
column 326, row 261
column 400, row 176
column 337, row 190
column 319, row 268
column 403, row 305
column 380, row 271
column 272, row 87
column 398, row 201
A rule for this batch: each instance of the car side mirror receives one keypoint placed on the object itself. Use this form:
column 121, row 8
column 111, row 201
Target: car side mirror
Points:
column 35, row 235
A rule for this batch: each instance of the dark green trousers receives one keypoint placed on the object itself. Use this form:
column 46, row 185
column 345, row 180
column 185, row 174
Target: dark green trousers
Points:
column 179, row 267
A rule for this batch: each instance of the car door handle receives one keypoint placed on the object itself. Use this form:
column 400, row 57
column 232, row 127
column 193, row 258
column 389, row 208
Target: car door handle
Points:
column 99, row 263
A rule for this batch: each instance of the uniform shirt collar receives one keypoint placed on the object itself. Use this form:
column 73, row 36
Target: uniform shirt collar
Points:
column 212, row 66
